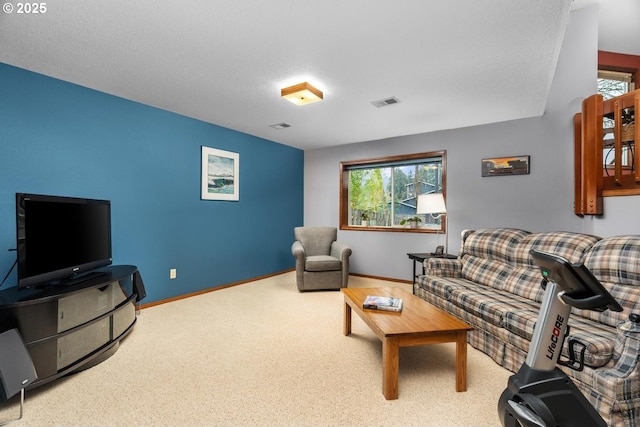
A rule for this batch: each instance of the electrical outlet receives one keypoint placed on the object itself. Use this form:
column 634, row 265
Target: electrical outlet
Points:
column 173, row 273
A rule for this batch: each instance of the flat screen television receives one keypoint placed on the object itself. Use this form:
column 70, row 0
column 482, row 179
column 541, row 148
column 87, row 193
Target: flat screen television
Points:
column 59, row 239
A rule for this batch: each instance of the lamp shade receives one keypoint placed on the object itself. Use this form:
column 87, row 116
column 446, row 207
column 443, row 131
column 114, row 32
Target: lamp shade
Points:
column 432, row 203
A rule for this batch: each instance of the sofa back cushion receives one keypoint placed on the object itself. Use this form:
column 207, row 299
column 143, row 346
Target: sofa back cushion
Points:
column 494, row 244
column 499, row 257
column 615, row 261
column 525, row 278
column 486, row 255
column 485, row 272
column 570, row 246
column 316, row 240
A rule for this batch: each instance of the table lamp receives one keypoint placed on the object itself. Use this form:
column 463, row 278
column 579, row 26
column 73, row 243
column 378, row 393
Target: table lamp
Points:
column 433, row 204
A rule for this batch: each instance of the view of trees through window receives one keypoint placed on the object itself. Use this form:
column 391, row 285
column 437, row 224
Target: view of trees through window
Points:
column 385, row 193
column 612, row 84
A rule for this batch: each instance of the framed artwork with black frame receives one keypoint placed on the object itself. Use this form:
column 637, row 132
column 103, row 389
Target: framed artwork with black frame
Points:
column 506, row 166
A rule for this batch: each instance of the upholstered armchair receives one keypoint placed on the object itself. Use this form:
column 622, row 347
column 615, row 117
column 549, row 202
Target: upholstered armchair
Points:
column 321, row 261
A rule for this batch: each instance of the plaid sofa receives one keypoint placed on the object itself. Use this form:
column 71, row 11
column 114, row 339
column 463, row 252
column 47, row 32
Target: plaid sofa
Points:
column 494, row 286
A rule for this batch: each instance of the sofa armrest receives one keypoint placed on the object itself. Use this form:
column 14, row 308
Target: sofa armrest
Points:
column 298, row 252
column 620, row 378
column 340, row 251
column 443, row 267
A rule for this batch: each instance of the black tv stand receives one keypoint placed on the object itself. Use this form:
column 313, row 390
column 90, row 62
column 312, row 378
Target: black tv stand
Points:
column 69, row 328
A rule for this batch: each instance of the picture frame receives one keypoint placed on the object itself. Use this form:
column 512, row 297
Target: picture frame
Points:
column 220, row 175
column 506, row 166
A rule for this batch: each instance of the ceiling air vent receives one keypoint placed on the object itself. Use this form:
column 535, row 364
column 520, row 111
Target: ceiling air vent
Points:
column 282, row 125
column 385, row 102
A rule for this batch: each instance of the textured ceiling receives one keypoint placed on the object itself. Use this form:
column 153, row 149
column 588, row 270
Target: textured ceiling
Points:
column 451, row 63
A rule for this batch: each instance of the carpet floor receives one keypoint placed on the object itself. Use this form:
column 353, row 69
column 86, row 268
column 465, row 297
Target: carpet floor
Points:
column 264, row 354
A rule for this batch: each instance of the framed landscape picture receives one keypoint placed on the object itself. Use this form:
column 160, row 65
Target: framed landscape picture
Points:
column 505, row 166
column 220, row 175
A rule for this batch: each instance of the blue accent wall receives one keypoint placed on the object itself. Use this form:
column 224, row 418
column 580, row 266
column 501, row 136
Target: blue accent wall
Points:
column 63, row 139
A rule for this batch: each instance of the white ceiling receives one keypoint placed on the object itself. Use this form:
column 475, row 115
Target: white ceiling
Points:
column 451, row 63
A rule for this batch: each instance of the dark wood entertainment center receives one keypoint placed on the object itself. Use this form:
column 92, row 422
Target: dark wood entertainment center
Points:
column 67, row 329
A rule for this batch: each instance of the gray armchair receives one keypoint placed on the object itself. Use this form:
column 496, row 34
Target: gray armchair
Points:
column 321, row 261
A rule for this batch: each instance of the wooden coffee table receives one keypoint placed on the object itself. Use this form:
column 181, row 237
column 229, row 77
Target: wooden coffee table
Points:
column 418, row 323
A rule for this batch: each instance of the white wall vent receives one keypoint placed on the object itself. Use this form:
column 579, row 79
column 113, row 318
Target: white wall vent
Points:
column 385, row 102
column 282, row 125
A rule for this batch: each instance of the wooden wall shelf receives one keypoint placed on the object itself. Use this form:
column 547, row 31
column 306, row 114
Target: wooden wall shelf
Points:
column 620, row 176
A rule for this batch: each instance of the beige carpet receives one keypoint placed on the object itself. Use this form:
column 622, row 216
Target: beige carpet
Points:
column 263, row 354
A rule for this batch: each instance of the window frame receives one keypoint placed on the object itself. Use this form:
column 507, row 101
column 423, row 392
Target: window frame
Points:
column 345, row 166
column 618, row 74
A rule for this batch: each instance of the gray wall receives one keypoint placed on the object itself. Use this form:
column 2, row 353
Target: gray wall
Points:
column 540, row 201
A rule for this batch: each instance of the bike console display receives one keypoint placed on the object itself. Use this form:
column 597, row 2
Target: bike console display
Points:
column 580, row 288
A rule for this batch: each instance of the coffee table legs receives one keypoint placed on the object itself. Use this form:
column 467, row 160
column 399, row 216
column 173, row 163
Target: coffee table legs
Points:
column 346, row 328
column 391, row 358
column 390, row 367
column 461, row 361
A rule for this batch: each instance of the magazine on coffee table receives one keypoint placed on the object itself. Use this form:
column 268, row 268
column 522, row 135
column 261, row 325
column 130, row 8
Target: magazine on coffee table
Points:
column 374, row 302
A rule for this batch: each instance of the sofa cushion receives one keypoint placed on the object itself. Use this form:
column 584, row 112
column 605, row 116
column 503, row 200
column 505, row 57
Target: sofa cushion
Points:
column 487, row 303
column 322, row 263
column 525, row 282
column 493, row 244
column 521, row 323
column 525, row 278
column 441, row 287
column 486, row 272
column 570, row 246
column 615, row 261
column 486, row 254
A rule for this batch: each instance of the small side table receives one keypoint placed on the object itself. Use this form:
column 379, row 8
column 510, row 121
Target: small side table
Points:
column 420, row 257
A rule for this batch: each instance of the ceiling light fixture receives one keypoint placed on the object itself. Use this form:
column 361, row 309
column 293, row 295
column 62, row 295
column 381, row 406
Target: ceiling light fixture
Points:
column 301, row 94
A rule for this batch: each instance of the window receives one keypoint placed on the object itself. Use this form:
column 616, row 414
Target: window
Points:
column 382, row 194
column 614, row 83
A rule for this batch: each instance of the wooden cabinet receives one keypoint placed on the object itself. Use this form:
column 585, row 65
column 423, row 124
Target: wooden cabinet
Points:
column 67, row 329
column 606, row 159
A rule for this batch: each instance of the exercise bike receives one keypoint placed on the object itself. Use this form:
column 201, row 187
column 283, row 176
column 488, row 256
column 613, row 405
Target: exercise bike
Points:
column 540, row 394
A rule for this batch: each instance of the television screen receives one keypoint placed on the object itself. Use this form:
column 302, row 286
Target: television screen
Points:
column 60, row 238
